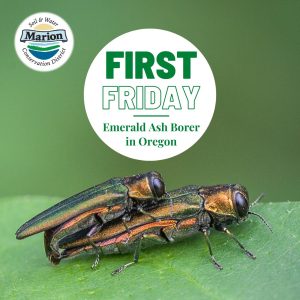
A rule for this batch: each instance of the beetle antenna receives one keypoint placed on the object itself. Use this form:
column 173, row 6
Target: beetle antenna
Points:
column 262, row 219
column 257, row 199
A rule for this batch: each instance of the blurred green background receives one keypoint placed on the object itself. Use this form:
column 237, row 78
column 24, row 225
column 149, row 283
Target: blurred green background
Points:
column 49, row 148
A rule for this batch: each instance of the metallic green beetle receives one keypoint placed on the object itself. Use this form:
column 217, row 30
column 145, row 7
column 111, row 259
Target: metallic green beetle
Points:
column 194, row 209
column 90, row 209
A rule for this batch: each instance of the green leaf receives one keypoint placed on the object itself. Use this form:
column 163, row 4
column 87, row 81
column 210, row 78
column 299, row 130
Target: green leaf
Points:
column 176, row 271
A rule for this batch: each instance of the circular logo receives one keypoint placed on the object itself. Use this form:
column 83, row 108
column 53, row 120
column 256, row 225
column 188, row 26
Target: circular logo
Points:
column 150, row 94
column 44, row 42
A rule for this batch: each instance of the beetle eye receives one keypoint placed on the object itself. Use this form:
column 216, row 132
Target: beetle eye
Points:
column 158, row 187
column 241, row 204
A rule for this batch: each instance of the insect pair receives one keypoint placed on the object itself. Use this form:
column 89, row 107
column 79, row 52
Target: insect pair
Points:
column 126, row 214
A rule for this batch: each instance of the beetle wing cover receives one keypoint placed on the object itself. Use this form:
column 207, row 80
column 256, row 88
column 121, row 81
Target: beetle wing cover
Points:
column 109, row 193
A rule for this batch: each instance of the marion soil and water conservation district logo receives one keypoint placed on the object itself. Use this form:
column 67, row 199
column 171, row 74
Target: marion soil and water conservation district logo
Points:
column 44, row 42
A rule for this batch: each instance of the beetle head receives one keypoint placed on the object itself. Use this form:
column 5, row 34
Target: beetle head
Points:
column 145, row 186
column 226, row 203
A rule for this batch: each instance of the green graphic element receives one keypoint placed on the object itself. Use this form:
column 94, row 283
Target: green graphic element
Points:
column 144, row 64
column 43, row 49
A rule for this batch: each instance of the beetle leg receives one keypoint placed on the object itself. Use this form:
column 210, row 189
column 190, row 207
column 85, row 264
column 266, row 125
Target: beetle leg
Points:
column 141, row 210
column 168, row 233
column 96, row 228
column 135, row 258
column 215, row 263
column 231, row 235
column 125, row 219
column 98, row 250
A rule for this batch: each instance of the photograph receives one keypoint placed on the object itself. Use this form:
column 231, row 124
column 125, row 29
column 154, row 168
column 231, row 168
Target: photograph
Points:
column 150, row 150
